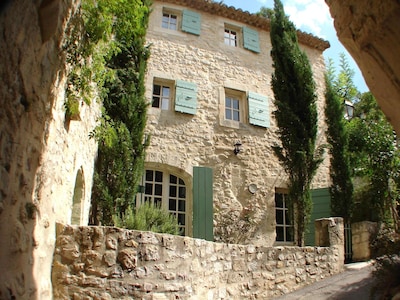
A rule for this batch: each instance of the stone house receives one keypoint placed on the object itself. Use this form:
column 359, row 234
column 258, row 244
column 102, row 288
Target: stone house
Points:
column 210, row 160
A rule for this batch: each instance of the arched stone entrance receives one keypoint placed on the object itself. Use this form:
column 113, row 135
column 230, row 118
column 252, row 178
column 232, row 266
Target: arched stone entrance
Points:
column 77, row 200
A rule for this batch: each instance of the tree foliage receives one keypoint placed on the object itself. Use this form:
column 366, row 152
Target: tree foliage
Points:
column 120, row 134
column 376, row 163
column 344, row 84
column 265, row 12
column 296, row 115
column 341, row 189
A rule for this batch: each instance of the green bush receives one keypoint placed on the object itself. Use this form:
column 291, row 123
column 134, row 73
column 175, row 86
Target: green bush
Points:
column 148, row 217
column 72, row 107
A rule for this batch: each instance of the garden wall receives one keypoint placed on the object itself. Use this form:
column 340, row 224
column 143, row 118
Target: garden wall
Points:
column 361, row 239
column 114, row 263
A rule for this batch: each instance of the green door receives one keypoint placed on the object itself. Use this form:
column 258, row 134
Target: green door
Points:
column 321, row 199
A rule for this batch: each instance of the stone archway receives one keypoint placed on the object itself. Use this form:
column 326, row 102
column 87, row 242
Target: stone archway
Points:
column 77, row 200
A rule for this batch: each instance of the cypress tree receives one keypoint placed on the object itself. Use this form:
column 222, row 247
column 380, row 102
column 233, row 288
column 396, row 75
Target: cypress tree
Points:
column 341, row 188
column 121, row 152
column 296, row 116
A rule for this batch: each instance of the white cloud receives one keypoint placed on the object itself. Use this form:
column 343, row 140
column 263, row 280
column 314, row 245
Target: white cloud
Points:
column 308, row 15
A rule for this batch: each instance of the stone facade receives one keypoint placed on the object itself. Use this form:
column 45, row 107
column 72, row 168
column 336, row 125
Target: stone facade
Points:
column 112, row 263
column 367, row 30
column 46, row 161
column 180, row 141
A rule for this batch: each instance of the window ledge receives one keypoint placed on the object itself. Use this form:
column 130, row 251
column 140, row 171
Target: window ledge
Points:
column 284, row 244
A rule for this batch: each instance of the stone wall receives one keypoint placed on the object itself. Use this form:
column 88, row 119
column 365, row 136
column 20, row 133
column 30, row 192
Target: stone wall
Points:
column 181, row 141
column 361, row 234
column 46, row 161
column 113, row 263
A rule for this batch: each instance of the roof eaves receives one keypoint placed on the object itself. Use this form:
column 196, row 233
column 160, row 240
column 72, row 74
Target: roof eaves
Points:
column 230, row 12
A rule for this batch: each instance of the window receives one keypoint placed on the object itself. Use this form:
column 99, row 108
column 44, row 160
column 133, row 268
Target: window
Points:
column 232, row 110
column 234, row 106
column 284, row 225
column 168, row 192
column 230, row 37
column 161, row 96
column 169, row 21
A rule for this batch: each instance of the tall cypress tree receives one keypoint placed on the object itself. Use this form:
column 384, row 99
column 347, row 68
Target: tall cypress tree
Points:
column 341, row 188
column 296, row 116
column 121, row 152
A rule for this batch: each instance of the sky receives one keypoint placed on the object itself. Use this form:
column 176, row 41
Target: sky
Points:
column 310, row 16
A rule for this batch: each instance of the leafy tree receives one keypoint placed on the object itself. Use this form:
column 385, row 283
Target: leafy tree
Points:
column 296, row 116
column 376, row 164
column 265, row 12
column 120, row 134
column 344, row 84
column 341, row 189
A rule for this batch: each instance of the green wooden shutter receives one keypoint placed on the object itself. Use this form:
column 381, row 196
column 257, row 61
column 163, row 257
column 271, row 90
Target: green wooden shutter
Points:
column 258, row 110
column 321, row 200
column 191, row 22
column 186, row 97
column 250, row 40
column 203, row 203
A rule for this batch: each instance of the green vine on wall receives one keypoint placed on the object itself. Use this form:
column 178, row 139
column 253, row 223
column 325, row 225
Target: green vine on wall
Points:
column 88, row 45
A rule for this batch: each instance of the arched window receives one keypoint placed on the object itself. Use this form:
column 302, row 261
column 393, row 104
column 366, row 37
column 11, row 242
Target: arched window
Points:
column 167, row 191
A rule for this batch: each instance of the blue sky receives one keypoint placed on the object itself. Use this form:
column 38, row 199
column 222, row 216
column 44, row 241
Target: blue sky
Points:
column 311, row 16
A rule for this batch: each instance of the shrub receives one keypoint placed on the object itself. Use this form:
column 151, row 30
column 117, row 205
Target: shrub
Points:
column 148, row 217
column 387, row 277
column 386, row 242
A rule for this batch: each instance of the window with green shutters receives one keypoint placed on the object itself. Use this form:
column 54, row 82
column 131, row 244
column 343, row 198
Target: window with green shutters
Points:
column 242, row 37
column 191, row 22
column 236, row 110
column 258, row 110
column 186, row 20
column 251, row 40
column 186, row 97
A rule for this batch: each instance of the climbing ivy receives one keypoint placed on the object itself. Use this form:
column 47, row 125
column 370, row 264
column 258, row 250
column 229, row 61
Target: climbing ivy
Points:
column 88, row 46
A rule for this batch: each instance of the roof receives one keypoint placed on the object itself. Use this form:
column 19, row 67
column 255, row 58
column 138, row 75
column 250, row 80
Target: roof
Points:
column 230, row 12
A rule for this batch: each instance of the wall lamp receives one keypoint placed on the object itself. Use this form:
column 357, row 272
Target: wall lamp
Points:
column 238, row 147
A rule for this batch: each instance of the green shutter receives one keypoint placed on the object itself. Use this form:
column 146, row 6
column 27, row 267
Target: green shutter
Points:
column 191, row 22
column 258, row 110
column 186, row 97
column 250, row 40
column 321, row 200
column 203, row 203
